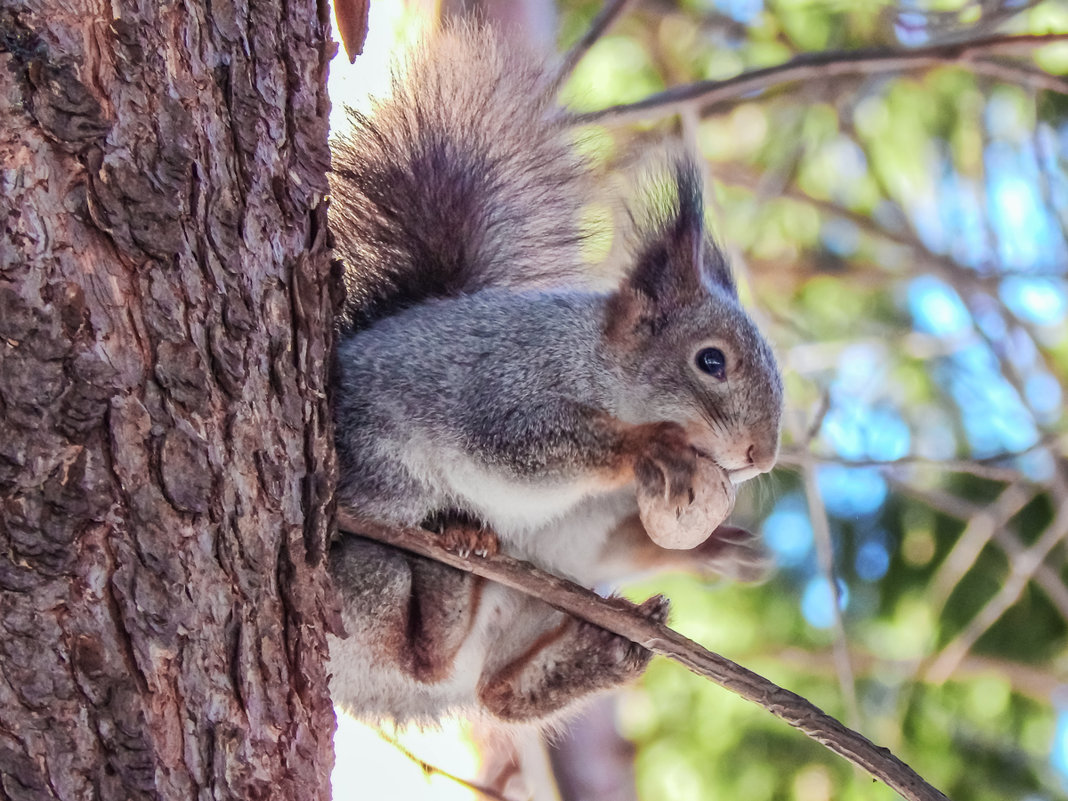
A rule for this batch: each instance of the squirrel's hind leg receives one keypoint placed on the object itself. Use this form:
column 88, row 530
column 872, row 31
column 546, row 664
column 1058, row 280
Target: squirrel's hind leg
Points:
column 411, row 612
column 564, row 664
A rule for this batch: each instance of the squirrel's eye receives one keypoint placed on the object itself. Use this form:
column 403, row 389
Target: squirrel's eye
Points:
column 713, row 362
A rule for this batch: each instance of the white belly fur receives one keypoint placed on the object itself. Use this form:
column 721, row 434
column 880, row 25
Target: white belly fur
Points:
column 560, row 525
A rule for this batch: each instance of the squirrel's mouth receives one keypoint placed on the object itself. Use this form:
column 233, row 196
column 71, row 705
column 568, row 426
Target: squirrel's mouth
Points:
column 709, row 447
column 738, row 474
column 743, row 474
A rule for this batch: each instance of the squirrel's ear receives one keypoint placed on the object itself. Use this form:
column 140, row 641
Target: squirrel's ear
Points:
column 716, row 269
column 679, row 261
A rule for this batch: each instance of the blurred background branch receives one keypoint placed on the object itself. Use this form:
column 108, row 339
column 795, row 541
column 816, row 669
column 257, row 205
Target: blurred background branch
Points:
column 973, row 55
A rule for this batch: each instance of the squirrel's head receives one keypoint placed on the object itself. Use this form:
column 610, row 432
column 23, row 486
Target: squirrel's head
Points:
column 676, row 325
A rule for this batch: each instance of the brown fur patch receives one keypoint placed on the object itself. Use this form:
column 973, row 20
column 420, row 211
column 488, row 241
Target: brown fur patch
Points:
column 625, row 311
column 441, row 612
column 497, row 692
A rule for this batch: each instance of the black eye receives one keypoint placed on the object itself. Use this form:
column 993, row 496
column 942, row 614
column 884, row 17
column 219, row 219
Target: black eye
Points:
column 713, row 362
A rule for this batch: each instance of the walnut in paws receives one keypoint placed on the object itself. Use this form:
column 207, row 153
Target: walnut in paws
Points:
column 685, row 522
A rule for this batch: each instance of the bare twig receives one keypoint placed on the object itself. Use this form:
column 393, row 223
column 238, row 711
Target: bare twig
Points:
column 945, row 266
column 430, row 769
column 835, row 63
column 792, row 458
column 948, row 26
column 821, row 530
column 604, row 20
column 981, row 467
column 938, row 499
column 817, row 421
column 1048, row 579
column 620, row 618
column 1024, row 679
column 1024, row 76
column 1024, row 566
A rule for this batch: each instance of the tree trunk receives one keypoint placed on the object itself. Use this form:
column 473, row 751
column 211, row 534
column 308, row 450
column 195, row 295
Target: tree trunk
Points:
column 166, row 455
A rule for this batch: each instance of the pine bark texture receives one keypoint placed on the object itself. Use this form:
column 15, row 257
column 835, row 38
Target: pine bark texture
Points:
column 166, row 457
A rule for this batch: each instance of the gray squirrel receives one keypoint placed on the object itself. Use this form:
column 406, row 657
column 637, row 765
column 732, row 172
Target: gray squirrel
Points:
column 484, row 392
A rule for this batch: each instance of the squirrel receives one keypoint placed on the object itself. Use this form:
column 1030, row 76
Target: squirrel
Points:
column 485, row 392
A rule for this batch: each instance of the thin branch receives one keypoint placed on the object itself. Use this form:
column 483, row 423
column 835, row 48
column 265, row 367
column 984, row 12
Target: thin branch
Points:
column 791, row 458
column 821, row 530
column 1024, row 76
column 946, row 26
column 1048, row 579
column 948, row 268
column 621, row 618
column 941, row 501
column 1023, row 568
column 1024, row 679
column 834, row 63
column 981, row 467
column 430, row 769
column 604, row 20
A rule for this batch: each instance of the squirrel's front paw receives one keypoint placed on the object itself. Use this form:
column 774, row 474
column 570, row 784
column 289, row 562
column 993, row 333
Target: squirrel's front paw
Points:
column 666, row 464
column 682, row 495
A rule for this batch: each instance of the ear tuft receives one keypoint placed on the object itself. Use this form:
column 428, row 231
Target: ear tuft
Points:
column 716, row 269
column 676, row 259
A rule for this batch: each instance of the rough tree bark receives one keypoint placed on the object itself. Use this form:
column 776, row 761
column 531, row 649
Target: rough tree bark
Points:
column 165, row 442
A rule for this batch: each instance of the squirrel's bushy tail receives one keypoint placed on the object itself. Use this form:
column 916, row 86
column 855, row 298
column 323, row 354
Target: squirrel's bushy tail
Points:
column 465, row 177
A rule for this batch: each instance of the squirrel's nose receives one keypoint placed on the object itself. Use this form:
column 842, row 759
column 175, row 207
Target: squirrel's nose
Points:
column 762, row 459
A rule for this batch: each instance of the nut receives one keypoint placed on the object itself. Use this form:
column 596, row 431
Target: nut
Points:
column 671, row 525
